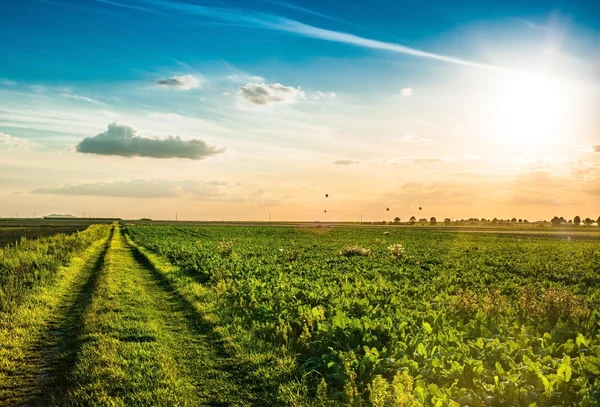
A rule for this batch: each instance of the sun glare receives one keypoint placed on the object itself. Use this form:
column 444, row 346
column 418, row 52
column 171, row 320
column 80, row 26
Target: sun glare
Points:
column 528, row 111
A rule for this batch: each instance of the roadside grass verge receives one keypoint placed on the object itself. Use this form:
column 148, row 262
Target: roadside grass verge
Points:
column 34, row 263
column 38, row 338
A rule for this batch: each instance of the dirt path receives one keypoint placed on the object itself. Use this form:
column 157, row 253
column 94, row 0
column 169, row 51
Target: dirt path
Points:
column 143, row 344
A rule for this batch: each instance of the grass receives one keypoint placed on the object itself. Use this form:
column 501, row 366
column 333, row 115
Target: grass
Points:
column 144, row 346
column 240, row 316
column 37, row 339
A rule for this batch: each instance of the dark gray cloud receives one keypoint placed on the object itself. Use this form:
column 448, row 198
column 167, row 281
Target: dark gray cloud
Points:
column 142, row 189
column 345, row 162
column 123, row 141
column 265, row 93
column 184, row 82
column 596, row 148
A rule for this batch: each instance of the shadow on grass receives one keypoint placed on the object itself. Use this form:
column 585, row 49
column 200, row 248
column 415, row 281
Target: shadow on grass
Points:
column 58, row 347
column 240, row 372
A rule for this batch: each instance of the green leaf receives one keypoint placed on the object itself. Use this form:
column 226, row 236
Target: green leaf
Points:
column 581, row 340
column 427, row 328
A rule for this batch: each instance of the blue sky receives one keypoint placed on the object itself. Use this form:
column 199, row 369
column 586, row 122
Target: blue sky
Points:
column 388, row 88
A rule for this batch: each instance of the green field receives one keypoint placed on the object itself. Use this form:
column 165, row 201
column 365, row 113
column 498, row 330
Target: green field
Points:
column 303, row 316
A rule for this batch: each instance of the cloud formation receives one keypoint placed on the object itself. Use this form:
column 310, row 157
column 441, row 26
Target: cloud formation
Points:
column 406, row 92
column 141, row 189
column 345, row 162
column 274, row 22
column 9, row 142
column 266, row 93
column 183, row 82
column 122, row 140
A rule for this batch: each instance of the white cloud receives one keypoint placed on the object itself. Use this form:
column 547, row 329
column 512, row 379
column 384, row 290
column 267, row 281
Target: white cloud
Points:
column 406, row 92
column 6, row 82
column 183, row 82
column 265, row 93
column 9, row 142
column 324, row 95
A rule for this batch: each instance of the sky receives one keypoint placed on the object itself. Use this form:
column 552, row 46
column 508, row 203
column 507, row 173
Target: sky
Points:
column 234, row 110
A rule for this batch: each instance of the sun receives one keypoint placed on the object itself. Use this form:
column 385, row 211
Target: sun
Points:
column 528, row 111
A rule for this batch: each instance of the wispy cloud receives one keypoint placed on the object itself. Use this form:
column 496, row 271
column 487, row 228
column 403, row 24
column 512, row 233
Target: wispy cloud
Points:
column 9, row 142
column 345, row 162
column 182, row 82
column 122, row 140
column 406, row 92
column 275, row 22
column 308, row 11
column 266, row 93
column 81, row 98
column 141, row 189
column 324, row 95
column 243, row 78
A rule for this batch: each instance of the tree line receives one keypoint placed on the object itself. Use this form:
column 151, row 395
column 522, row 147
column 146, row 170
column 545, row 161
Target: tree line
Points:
column 556, row 221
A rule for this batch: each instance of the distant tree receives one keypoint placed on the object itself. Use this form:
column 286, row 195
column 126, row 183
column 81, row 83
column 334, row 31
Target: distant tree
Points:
column 447, row 221
column 513, row 220
column 483, row 220
column 412, row 219
column 520, row 220
column 494, row 221
column 433, row 220
column 525, row 221
column 598, row 221
column 588, row 221
column 422, row 220
column 577, row 221
column 570, row 222
column 562, row 220
column 396, row 220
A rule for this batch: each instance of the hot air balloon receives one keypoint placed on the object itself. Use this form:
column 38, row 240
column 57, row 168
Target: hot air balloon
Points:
column 420, row 208
column 325, row 211
column 388, row 209
column 326, row 195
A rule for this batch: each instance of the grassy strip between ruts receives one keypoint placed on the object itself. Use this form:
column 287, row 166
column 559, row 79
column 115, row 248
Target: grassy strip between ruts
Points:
column 263, row 369
column 37, row 338
column 143, row 344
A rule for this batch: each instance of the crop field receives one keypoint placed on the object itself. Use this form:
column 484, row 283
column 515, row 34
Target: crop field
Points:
column 211, row 315
column 14, row 230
